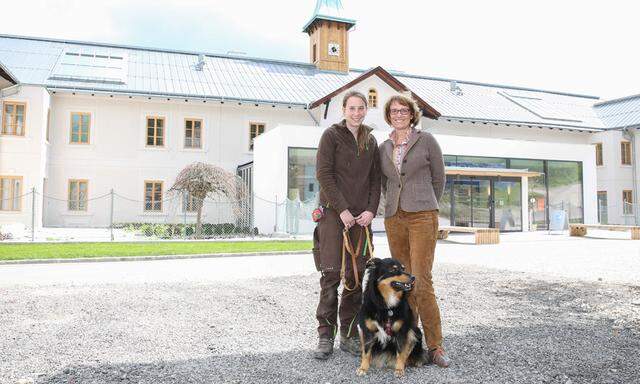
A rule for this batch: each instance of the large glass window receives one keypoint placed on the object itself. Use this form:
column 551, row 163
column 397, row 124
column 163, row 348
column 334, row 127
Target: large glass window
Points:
column 480, row 162
column 302, row 181
column 565, row 188
column 537, row 192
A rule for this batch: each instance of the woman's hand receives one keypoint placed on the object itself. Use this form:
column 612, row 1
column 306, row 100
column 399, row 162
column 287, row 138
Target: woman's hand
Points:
column 365, row 218
column 347, row 219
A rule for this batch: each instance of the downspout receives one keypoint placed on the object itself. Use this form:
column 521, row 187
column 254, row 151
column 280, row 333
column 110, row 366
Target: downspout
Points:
column 630, row 135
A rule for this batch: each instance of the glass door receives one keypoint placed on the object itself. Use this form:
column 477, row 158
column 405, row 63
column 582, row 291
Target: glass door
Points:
column 483, row 202
column 508, row 204
column 472, row 203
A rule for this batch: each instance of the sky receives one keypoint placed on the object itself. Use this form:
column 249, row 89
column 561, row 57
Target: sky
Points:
column 584, row 47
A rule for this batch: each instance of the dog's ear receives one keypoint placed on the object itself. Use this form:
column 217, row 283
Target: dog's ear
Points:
column 373, row 262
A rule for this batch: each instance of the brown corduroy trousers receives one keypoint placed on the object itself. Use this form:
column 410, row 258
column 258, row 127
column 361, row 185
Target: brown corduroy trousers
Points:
column 412, row 241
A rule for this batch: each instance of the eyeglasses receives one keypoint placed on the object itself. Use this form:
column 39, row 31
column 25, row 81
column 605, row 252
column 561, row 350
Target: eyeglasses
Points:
column 402, row 111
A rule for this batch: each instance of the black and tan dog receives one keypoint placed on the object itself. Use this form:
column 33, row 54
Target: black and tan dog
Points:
column 388, row 331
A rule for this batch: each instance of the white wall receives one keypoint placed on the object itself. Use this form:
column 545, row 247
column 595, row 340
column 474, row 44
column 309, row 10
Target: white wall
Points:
column 118, row 158
column 270, row 165
column 613, row 176
column 26, row 156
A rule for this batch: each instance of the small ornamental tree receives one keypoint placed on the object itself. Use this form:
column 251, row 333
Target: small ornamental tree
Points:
column 201, row 180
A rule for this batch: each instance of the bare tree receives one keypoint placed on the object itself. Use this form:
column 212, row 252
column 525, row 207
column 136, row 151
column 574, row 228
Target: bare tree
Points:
column 201, row 180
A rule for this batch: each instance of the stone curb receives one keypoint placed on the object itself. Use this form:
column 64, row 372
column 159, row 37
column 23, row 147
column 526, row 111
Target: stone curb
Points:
column 149, row 258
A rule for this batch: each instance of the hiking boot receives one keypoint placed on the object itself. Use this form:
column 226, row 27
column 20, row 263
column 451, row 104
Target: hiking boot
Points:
column 324, row 348
column 350, row 345
column 438, row 357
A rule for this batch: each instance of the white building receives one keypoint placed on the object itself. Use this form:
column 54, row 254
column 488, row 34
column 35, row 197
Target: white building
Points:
column 82, row 119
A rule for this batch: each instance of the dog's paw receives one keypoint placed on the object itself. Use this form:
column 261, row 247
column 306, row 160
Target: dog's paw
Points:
column 399, row 373
column 361, row 371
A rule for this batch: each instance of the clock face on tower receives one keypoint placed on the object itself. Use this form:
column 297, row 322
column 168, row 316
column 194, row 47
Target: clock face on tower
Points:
column 334, row 49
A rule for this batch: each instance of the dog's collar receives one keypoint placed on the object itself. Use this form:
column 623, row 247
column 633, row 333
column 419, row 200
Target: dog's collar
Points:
column 390, row 312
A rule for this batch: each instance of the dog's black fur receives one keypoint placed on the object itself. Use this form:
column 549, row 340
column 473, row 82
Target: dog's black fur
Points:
column 388, row 332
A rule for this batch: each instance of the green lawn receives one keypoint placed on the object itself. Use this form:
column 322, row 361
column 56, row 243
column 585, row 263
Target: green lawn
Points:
column 75, row 250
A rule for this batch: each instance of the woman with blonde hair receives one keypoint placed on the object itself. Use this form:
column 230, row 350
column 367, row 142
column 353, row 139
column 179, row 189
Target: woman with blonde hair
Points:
column 413, row 181
column 347, row 168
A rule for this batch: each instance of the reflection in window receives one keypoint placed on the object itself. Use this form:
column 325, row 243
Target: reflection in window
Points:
column 565, row 188
column 302, row 183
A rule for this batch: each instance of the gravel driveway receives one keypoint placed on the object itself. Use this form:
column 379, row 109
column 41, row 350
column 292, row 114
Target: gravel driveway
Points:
column 500, row 327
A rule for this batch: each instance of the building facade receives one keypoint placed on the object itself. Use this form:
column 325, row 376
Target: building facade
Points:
column 82, row 122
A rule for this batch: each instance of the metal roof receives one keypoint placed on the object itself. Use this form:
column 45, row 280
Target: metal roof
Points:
column 620, row 113
column 171, row 73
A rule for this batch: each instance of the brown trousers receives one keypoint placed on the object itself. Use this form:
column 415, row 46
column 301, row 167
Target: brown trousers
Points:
column 412, row 241
column 327, row 251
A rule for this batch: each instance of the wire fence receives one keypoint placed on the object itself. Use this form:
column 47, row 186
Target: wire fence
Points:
column 116, row 216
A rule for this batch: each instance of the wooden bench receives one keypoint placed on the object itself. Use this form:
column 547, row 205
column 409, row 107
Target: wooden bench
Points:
column 483, row 235
column 581, row 229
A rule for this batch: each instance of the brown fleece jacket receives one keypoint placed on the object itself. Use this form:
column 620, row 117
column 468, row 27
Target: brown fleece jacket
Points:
column 349, row 178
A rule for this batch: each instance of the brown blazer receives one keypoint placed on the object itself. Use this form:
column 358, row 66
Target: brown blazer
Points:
column 420, row 183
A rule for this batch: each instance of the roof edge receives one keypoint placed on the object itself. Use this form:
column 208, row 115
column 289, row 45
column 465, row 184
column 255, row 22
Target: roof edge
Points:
column 153, row 49
column 619, row 99
column 527, row 123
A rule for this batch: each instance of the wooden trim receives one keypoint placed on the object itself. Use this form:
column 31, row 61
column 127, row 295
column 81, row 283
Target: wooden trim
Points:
column 625, row 152
column 155, row 131
column 599, row 154
column 3, row 131
column 12, row 193
column 81, row 114
column 153, row 191
column 257, row 124
column 392, row 81
column 193, row 120
column 78, row 200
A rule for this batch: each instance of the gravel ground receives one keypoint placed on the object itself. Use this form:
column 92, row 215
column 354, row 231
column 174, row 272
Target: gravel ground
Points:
column 500, row 327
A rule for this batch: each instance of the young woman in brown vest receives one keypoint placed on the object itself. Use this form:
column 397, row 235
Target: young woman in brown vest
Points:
column 347, row 168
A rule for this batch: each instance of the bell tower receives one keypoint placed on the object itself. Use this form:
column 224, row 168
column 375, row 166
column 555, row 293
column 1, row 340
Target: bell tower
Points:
column 328, row 31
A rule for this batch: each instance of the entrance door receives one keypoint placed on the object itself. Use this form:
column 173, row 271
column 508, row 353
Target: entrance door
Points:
column 471, row 203
column 483, row 202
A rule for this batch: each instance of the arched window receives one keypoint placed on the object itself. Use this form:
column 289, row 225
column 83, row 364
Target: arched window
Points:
column 373, row 98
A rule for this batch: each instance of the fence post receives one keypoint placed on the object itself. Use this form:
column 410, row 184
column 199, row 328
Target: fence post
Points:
column 111, row 216
column 33, row 214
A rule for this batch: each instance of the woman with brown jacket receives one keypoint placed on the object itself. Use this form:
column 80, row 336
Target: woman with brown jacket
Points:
column 413, row 181
column 347, row 168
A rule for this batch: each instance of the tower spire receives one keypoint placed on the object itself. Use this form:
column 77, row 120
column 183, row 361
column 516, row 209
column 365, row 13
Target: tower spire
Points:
column 328, row 31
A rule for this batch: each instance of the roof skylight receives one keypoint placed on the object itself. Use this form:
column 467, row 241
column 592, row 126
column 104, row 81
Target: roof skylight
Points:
column 91, row 66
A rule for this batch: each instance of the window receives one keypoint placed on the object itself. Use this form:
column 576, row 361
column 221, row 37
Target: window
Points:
column 603, row 216
column 255, row 130
column 625, row 148
column 155, row 131
column 373, row 98
column 627, row 202
column 10, row 193
column 599, row 154
column 78, row 195
column 315, row 53
column 192, row 133
column 189, row 203
column 153, row 195
column 80, row 125
column 89, row 65
column 13, row 118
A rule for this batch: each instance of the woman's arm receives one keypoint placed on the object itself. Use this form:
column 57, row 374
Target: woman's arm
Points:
column 325, row 172
column 436, row 162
